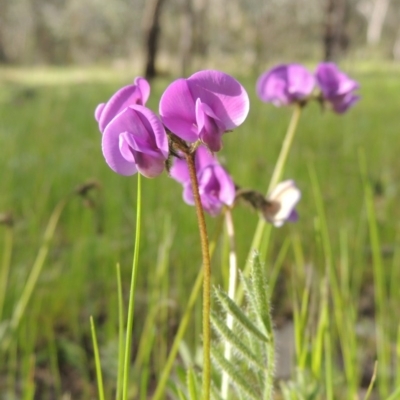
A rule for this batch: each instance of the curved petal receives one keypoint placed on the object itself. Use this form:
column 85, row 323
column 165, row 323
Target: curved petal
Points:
column 287, row 195
column 179, row 171
column 188, row 193
column 144, row 88
column 271, row 86
column 227, row 187
column 326, row 75
column 124, row 97
column 98, row 111
column 204, row 158
column 177, row 110
column 209, row 126
column 342, row 103
column 148, row 165
column 223, row 94
column 154, row 125
column 112, row 153
column 129, row 142
column 300, row 81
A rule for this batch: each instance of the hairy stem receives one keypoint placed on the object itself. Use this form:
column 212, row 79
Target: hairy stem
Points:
column 206, row 279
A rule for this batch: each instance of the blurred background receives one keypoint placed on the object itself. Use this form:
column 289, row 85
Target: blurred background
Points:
column 183, row 34
column 59, row 59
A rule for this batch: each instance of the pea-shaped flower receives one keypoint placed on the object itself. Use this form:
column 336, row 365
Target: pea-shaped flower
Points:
column 285, row 84
column 135, row 141
column 137, row 93
column 204, row 106
column 216, row 187
column 281, row 203
column 337, row 88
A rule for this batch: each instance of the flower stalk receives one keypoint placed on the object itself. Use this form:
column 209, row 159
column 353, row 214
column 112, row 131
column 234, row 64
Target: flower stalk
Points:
column 205, row 251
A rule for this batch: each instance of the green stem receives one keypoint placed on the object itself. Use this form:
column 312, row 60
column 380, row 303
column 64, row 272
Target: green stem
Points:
column 131, row 304
column 120, row 334
column 231, row 293
column 206, row 278
column 276, row 176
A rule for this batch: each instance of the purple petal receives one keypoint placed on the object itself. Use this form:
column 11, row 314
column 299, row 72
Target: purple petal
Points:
column 332, row 81
column 204, row 158
column 180, row 171
column 300, row 82
column 98, row 111
column 188, row 193
column 154, row 125
column 177, row 110
column 112, row 153
column 223, row 94
column 124, row 97
column 148, row 165
column 209, row 126
column 342, row 103
column 285, row 84
column 144, row 88
column 130, row 142
column 227, row 187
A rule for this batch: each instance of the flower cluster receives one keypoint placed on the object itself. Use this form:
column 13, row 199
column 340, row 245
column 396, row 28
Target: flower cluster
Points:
column 292, row 83
column 197, row 112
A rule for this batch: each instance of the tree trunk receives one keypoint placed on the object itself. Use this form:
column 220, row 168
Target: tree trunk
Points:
column 152, row 34
column 376, row 21
column 201, row 26
column 335, row 38
column 186, row 36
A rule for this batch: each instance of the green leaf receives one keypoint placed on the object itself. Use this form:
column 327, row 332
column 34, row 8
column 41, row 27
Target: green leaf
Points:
column 235, row 376
column 230, row 306
column 235, row 341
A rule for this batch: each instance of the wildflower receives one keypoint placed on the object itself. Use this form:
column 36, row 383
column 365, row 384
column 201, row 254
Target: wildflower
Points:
column 135, row 141
column 137, row 93
column 281, row 203
column 336, row 87
column 285, row 84
column 204, row 106
column 216, row 187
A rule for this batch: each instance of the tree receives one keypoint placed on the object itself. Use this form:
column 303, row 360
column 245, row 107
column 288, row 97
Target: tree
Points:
column 152, row 33
column 335, row 38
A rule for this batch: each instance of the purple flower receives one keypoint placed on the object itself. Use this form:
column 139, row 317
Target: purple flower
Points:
column 285, row 84
column 283, row 200
column 204, row 107
column 137, row 93
column 336, row 87
column 135, row 140
column 216, row 187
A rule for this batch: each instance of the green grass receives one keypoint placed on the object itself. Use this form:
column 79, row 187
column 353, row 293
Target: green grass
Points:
column 49, row 144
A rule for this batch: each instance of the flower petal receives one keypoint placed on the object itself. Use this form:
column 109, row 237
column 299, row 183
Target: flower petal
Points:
column 112, row 153
column 124, row 97
column 148, row 165
column 287, row 195
column 144, row 88
column 180, row 171
column 98, row 111
column 177, row 110
column 204, row 158
column 285, row 84
column 223, row 94
column 227, row 187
